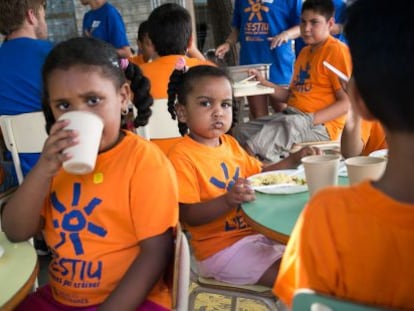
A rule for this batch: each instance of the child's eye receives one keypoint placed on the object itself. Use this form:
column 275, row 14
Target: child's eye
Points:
column 205, row 103
column 63, row 105
column 227, row 105
column 93, row 100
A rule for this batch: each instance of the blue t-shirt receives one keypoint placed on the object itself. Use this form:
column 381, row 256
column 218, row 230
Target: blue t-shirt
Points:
column 257, row 20
column 340, row 18
column 106, row 23
column 21, row 62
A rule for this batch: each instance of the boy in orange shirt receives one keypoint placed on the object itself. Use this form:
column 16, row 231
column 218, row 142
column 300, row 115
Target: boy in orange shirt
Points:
column 357, row 242
column 316, row 102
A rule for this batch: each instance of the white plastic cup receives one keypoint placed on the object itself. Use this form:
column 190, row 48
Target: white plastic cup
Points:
column 321, row 171
column 89, row 126
column 365, row 167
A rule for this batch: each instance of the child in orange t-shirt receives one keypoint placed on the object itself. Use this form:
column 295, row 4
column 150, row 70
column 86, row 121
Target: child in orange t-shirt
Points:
column 146, row 50
column 212, row 169
column 356, row 242
column 110, row 231
column 316, row 102
column 361, row 137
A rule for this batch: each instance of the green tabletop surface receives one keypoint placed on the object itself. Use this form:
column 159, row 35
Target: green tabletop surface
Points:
column 17, row 264
column 279, row 212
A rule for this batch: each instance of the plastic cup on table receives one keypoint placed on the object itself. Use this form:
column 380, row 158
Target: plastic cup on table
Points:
column 321, row 171
column 365, row 167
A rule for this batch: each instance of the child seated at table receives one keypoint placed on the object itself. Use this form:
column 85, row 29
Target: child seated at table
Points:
column 110, row 231
column 360, row 136
column 212, row 169
column 146, row 51
column 356, row 242
column 316, row 102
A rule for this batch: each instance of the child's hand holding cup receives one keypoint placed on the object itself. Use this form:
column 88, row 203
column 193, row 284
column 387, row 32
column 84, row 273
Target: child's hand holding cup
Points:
column 89, row 127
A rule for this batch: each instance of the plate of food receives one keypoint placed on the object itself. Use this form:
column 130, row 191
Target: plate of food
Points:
column 382, row 153
column 279, row 182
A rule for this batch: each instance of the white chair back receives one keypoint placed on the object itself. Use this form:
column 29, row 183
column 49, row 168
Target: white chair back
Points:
column 160, row 124
column 181, row 279
column 23, row 133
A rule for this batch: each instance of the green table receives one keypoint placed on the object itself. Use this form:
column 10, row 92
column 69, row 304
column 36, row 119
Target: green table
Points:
column 18, row 272
column 276, row 215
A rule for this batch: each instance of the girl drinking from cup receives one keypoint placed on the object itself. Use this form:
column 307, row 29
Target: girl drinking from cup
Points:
column 110, row 231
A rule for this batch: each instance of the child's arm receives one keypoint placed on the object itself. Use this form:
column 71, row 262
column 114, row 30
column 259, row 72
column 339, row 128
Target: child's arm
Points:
column 232, row 39
column 333, row 111
column 281, row 94
column 284, row 36
column 21, row 215
column 204, row 212
column 155, row 254
column 293, row 160
column 351, row 139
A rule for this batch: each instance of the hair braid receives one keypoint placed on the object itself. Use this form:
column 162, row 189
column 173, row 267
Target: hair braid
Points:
column 143, row 101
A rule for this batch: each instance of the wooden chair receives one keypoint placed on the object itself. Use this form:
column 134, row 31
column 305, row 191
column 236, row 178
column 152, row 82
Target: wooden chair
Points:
column 211, row 286
column 309, row 300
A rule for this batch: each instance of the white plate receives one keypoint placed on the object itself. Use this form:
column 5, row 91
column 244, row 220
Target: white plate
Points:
column 281, row 188
column 246, row 84
column 1, row 251
column 382, row 153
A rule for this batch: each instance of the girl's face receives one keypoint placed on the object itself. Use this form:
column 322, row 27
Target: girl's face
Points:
column 314, row 27
column 84, row 89
column 208, row 112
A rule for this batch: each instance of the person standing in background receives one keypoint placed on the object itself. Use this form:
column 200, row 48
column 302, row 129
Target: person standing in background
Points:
column 105, row 22
column 22, row 54
column 265, row 30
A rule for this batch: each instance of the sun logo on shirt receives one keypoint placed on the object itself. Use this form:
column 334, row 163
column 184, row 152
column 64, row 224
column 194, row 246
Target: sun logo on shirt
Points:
column 256, row 8
column 75, row 219
column 225, row 184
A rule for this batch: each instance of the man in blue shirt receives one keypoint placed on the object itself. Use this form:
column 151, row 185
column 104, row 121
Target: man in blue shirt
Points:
column 21, row 58
column 105, row 22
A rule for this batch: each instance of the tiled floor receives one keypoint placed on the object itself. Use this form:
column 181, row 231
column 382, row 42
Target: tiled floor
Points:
column 204, row 302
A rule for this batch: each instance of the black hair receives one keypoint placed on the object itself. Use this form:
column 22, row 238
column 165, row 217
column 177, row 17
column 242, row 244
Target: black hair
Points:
column 90, row 52
column 325, row 8
column 170, row 29
column 142, row 30
column 182, row 83
column 380, row 35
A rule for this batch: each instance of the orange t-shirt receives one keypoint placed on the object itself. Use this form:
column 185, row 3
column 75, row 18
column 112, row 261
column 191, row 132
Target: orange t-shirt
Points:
column 95, row 222
column 205, row 173
column 137, row 59
column 373, row 136
column 354, row 243
column 313, row 86
column 158, row 72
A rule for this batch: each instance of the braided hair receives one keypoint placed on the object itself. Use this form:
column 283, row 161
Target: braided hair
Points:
column 90, row 52
column 182, row 83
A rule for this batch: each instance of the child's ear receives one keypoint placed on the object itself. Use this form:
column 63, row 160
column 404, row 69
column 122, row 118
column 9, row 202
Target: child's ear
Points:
column 125, row 94
column 181, row 113
column 331, row 23
column 358, row 101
